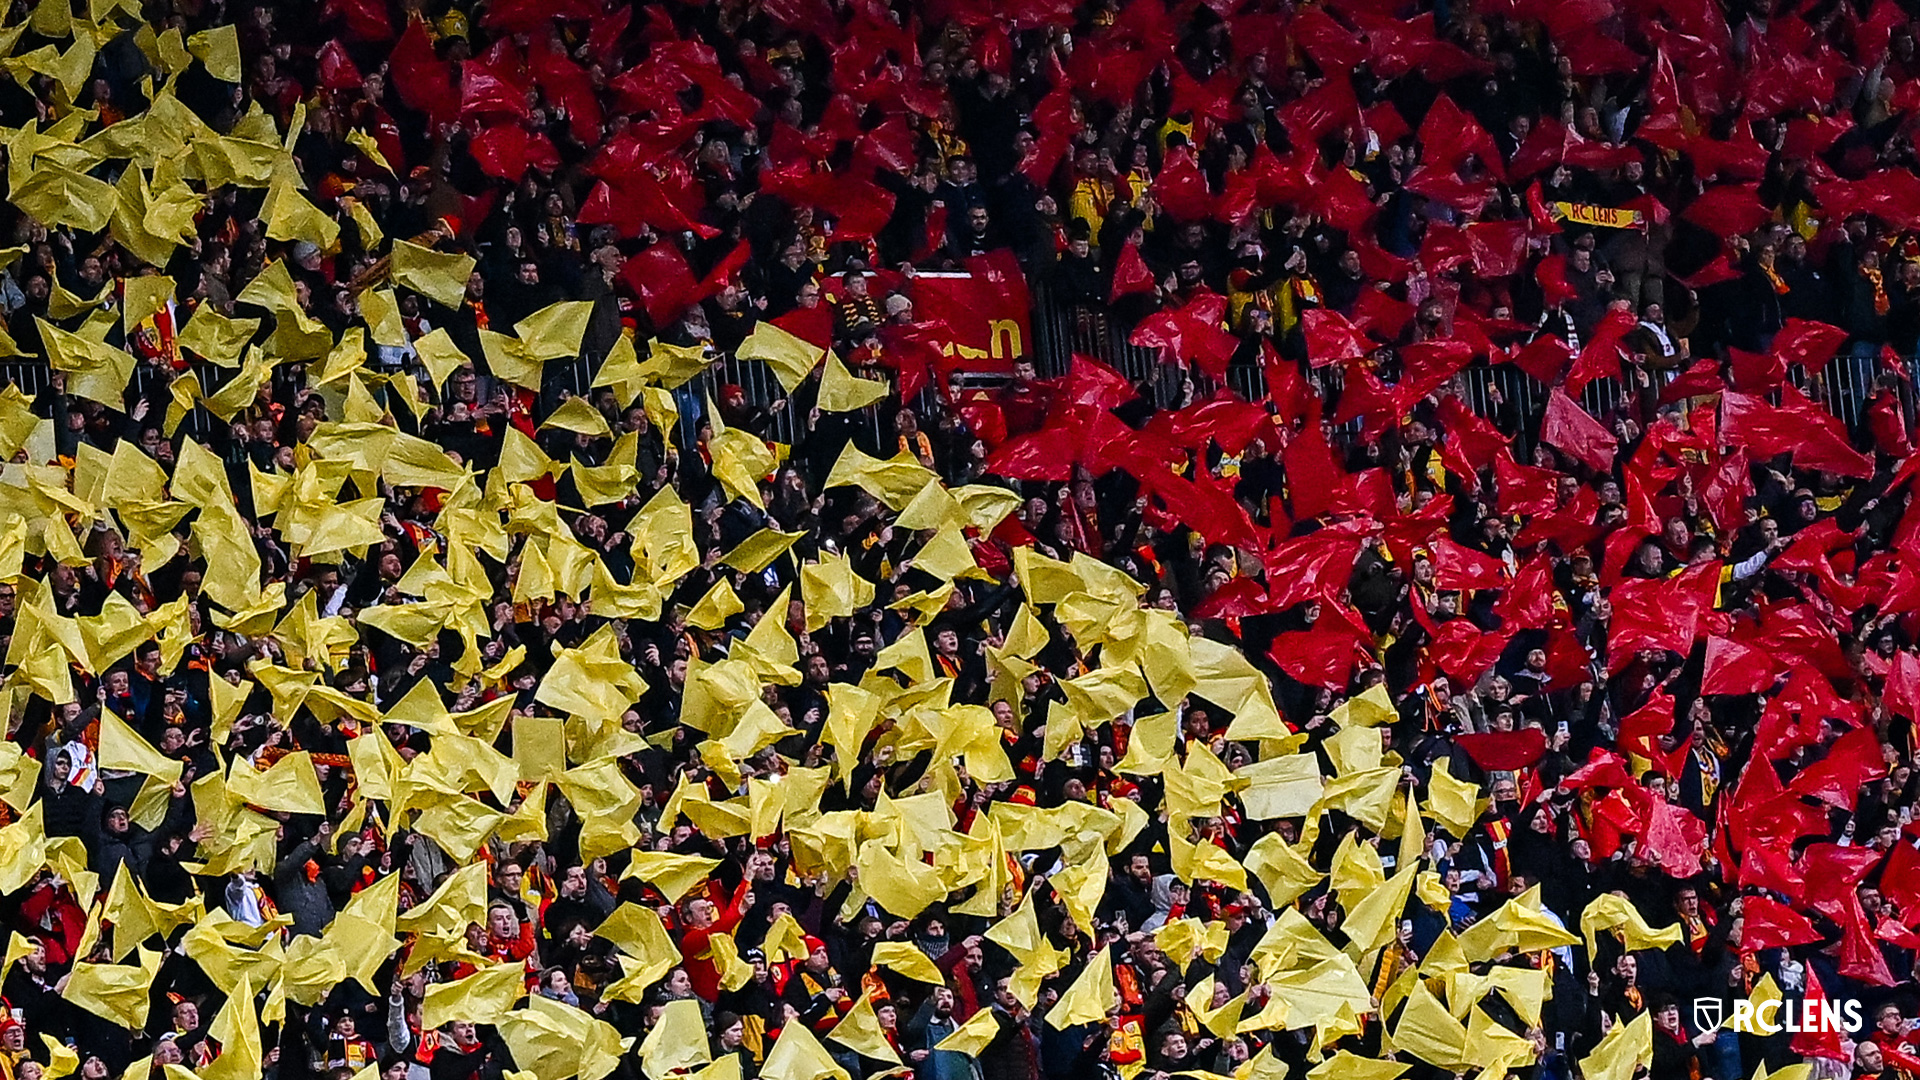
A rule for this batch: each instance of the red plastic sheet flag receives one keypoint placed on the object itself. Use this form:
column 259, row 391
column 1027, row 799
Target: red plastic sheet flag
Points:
column 1770, row 924
column 1733, row 668
column 1567, row 427
column 1332, row 339
column 1504, row 751
column 1852, row 761
column 1130, row 274
column 1808, row 343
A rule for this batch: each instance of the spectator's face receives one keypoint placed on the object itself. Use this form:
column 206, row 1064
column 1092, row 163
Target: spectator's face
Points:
column 502, row 923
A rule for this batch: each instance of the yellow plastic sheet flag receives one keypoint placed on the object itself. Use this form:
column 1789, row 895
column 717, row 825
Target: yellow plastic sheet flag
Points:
column 859, row 1031
column 143, row 296
column 894, row 482
column 905, row 958
column 792, row 358
column 439, row 276
column 481, row 998
column 1372, row 922
column 740, row 460
column 758, row 551
column 674, row 875
column 1427, row 1031
column 120, row 993
column 1413, row 835
column 621, row 370
column 290, row 785
column 289, row 216
column 716, row 607
column 1610, row 911
column 555, row 331
column 671, row 366
column 797, row 1055
column 972, row 1037
column 577, row 414
column 1622, row 1051
column 1454, row 803
column 218, row 50
column 1348, row 1066
column 1205, row 861
column 678, row 1041
column 121, row 747
column 843, row 391
column 215, row 338
column 1370, row 708
column 237, row 1031
column 1287, row 786
column 95, row 370
column 554, row 1041
column 62, row 1060
column 439, row 355
column 1091, row 996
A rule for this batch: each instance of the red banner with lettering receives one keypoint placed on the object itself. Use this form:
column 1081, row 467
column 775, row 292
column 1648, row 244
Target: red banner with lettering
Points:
column 986, row 309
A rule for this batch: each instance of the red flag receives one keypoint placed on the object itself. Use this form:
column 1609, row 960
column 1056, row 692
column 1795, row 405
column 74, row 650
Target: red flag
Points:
column 1130, row 274
column 1770, row 924
column 1733, row 668
column 1852, row 761
column 1807, row 343
column 1331, row 339
column 366, row 19
column 1504, row 751
column 1604, row 768
column 1729, row 210
column 1568, row 427
column 1318, row 657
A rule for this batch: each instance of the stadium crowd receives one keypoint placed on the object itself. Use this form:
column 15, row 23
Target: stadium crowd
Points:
column 426, row 658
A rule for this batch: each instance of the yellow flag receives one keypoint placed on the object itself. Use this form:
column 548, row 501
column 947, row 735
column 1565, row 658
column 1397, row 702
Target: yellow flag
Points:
column 1090, row 998
column 1346, row 1066
column 906, row 958
column 439, row 276
column 674, row 875
column 973, row 1036
column 1612, row 912
column 1453, row 803
column 1621, row 1051
column 677, row 1042
column 797, row 1055
column 218, row 50
column 578, row 415
column 555, row 331
column 843, row 391
column 482, row 997
column 237, row 1030
column 756, row 552
column 117, row 992
column 792, row 358
column 859, row 1031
